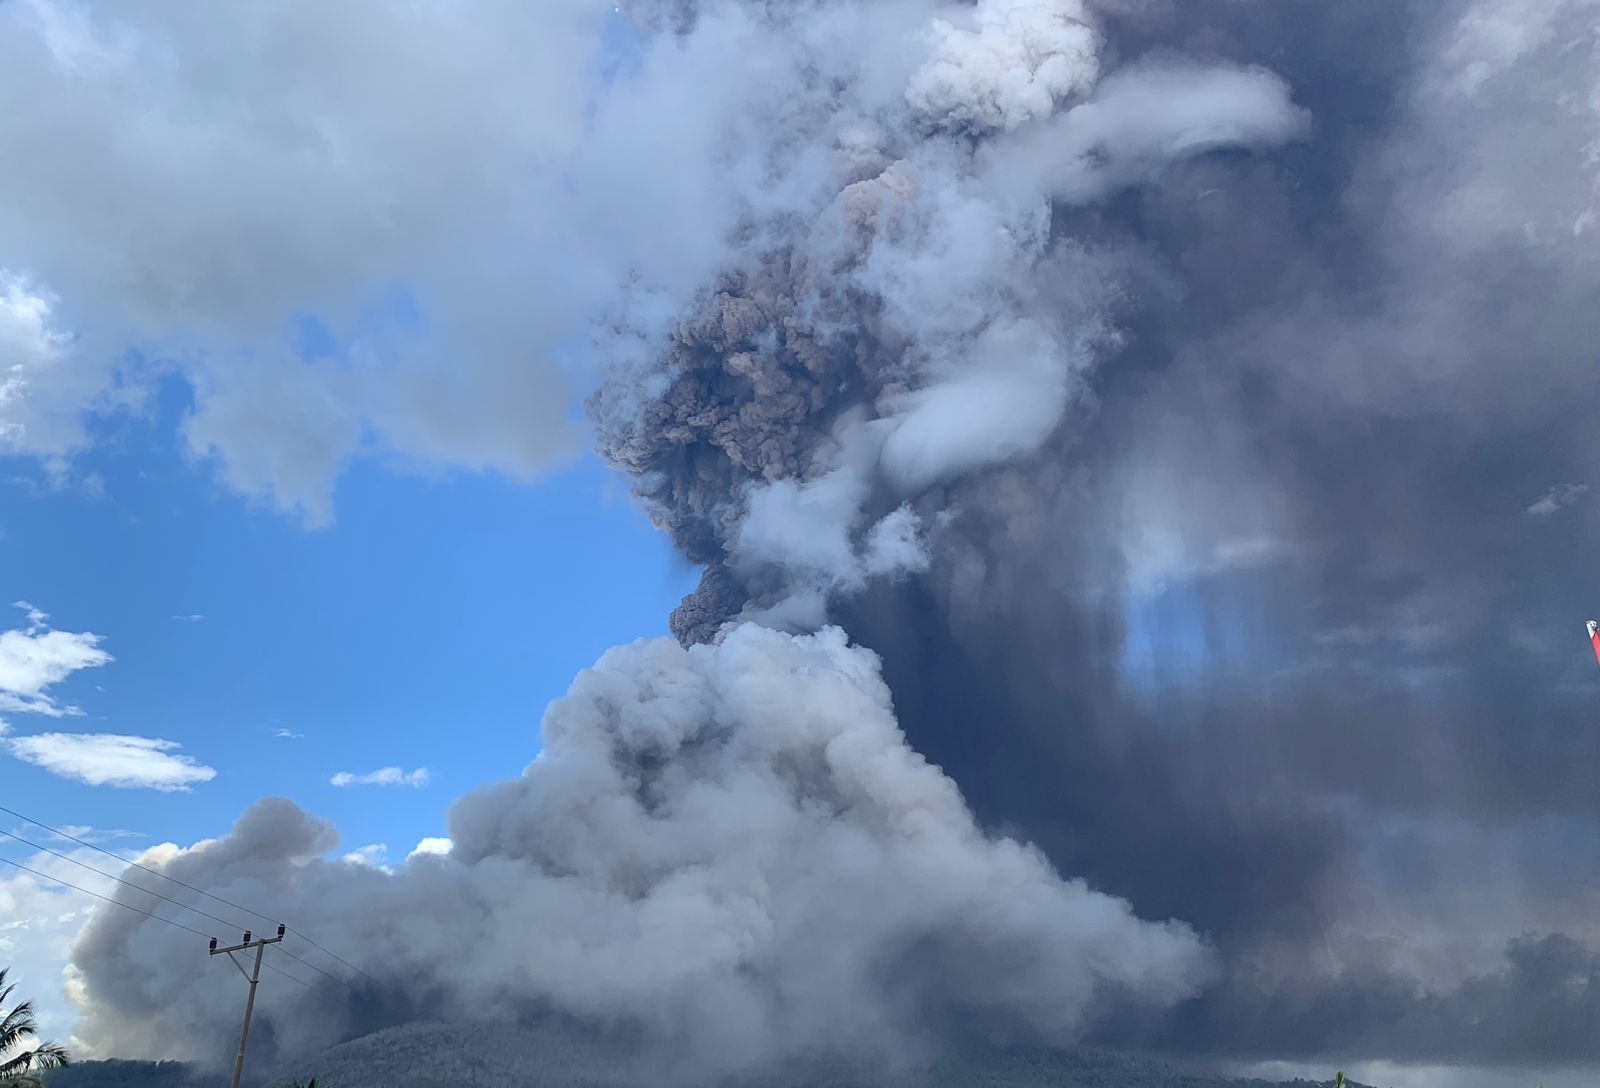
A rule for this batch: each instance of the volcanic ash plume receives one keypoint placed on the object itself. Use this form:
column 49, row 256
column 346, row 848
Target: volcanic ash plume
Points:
column 1187, row 401
column 1189, row 404
column 730, row 849
column 917, row 318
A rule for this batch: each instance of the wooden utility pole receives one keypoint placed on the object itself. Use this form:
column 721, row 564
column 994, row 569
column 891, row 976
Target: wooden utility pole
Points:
column 253, row 977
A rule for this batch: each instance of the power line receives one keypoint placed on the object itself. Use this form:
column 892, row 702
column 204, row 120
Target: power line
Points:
column 136, row 865
column 198, row 891
column 335, row 955
column 314, row 989
column 107, row 898
column 119, row 880
column 314, row 967
column 170, row 922
column 259, row 945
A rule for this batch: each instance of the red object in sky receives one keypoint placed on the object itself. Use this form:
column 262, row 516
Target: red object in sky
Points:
column 1594, row 638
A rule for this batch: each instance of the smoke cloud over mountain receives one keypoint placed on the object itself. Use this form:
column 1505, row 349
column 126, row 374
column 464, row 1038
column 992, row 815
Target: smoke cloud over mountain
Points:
column 1121, row 440
column 730, row 848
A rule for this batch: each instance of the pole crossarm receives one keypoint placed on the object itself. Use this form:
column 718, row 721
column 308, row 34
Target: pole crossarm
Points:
column 248, row 943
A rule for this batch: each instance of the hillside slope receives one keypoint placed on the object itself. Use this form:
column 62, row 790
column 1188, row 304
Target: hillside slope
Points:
column 474, row 1056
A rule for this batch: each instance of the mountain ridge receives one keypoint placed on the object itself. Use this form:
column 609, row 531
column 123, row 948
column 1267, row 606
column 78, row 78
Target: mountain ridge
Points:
column 439, row 1055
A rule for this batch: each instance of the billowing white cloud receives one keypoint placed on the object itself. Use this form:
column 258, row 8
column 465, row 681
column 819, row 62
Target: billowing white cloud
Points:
column 35, row 658
column 431, row 847
column 40, row 397
column 38, row 921
column 345, row 163
column 107, row 759
column 371, row 856
column 385, row 776
column 731, row 846
column 1005, row 62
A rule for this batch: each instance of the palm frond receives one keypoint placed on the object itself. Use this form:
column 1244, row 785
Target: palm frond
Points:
column 17, row 1024
column 16, row 1027
column 51, row 1056
column 16, row 1065
column 21, row 1081
column 47, row 1056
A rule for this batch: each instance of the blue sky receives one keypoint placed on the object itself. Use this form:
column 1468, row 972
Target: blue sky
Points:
column 334, row 264
column 431, row 622
column 427, row 627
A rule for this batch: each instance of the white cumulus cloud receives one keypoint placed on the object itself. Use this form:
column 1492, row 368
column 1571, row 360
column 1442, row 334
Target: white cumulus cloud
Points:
column 38, row 402
column 346, row 165
column 431, row 847
column 35, row 658
column 384, row 776
column 107, row 759
column 344, row 162
column 370, row 856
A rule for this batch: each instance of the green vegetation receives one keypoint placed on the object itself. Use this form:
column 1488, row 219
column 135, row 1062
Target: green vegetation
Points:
column 126, row 1074
column 116, row 1073
column 467, row 1056
column 17, row 1066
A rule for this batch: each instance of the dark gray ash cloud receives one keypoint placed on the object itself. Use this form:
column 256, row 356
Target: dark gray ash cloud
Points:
column 1246, row 625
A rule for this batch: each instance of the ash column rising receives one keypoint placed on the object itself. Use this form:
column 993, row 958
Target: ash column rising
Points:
column 1594, row 638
